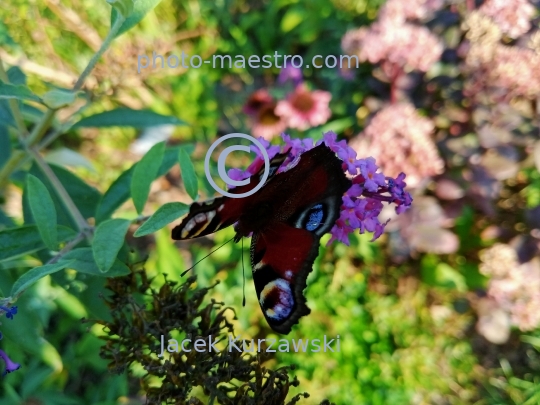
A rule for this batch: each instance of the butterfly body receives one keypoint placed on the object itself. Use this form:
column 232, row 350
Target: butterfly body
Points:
column 286, row 219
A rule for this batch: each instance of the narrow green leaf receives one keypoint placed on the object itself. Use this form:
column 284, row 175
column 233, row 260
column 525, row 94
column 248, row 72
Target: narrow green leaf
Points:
column 166, row 214
column 126, row 117
column 115, row 196
column 124, row 7
column 69, row 157
column 83, row 261
column 188, row 174
column 5, row 145
column 16, row 75
column 19, row 92
column 119, row 191
column 26, row 239
column 144, row 174
column 108, row 240
column 59, row 98
column 43, row 211
column 31, row 113
column 85, row 197
column 292, row 18
column 6, row 118
column 5, row 221
column 33, row 275
column 140, row 9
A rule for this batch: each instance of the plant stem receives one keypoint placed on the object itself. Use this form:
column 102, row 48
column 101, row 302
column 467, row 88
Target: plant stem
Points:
column 42, row 126
column 60, row 190
column 68, row 247
column 106, row 43
column 17, row 156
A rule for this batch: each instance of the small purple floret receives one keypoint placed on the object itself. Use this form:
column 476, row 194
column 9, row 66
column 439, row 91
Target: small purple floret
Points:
column 289, row 72
column 11, row 366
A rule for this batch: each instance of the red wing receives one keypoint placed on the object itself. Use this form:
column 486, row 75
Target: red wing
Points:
column 281, row 259
column 210, row 216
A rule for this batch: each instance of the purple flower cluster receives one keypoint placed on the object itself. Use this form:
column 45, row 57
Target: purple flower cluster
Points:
column 362, row 203
column 11, row 366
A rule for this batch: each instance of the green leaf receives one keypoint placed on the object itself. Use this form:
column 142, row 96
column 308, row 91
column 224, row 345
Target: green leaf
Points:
column 5, row 221
column 19, row 92
column 5, row 145
column 144, row 174
column 6, row 118
column 16, row 75
column 68, row 157
column 188, row 174
column 126, row 117
column 140, row 9
column 124, row 7
column 31, row 113
column 119, row 191
column 338, row 125
column 441, row 274
column 85, row 197
column 83, row 261
column 108, row 240
column 291, row 19
column 33, row 275
column 59, row 98
column 26, row 239
column 532, row 340
column 115, row 196
column 43, row 211
column 166, row 214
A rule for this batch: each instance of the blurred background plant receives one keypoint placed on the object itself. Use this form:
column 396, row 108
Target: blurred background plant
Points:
column 443, row 309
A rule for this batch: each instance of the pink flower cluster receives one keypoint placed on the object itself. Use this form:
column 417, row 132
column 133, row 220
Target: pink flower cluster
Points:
column 362, row 203
column 394, row 42
column 507, row 71
column 513, row 17
column 302, row 109
column 400, row 139
column 402, row 10
column 516, row 70
column 513, row 286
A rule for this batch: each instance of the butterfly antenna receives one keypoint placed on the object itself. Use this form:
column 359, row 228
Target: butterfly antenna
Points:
column 243, row 277
column 184, row 273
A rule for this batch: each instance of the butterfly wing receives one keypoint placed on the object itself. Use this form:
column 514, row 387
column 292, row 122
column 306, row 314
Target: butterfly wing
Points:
column 282, row 255
column 210, row 216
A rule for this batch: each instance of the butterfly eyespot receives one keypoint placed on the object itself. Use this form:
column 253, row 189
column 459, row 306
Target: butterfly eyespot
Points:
column 315, row 217
column 288, row 274
column 277, row 299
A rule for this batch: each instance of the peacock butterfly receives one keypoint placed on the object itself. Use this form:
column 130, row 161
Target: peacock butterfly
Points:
column 286, row 218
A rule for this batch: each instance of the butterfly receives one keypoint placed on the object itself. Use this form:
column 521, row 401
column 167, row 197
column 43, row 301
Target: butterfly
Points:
column 286, row 219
